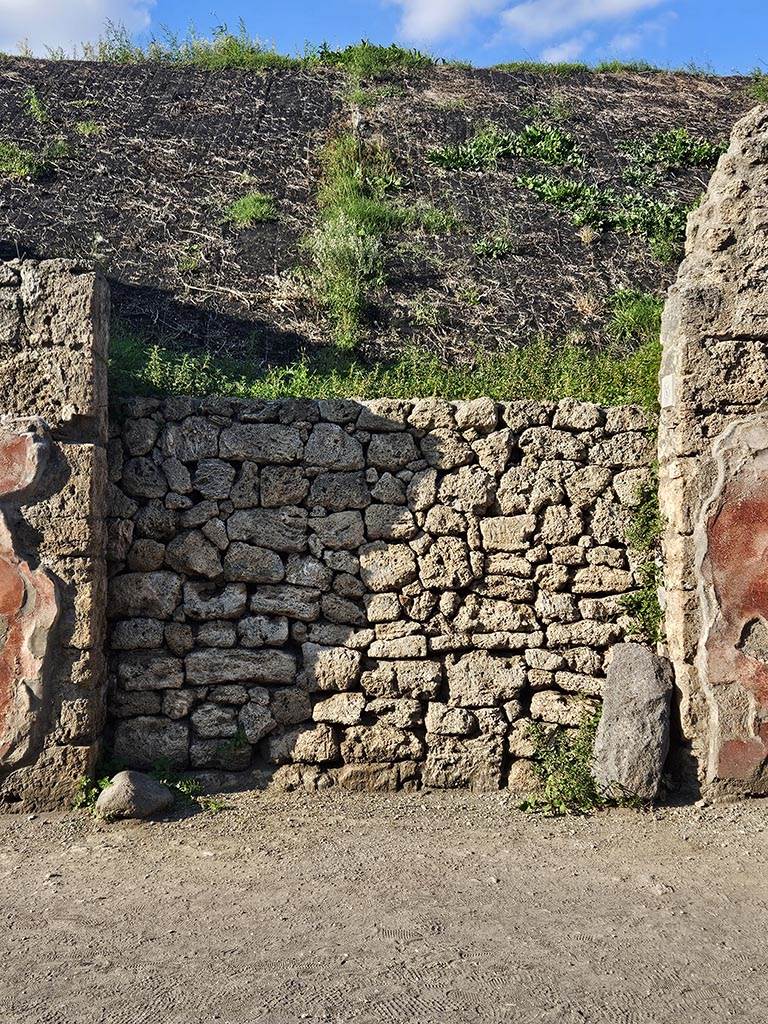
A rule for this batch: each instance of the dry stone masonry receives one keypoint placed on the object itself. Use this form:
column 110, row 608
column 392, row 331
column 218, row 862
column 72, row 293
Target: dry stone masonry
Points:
column 377, row 595
column 713, row 454
column 53, row 432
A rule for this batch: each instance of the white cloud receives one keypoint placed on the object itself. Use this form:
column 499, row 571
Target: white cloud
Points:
column 538, row 20
column 568, row 49
column 428, row 20
column 65, row 23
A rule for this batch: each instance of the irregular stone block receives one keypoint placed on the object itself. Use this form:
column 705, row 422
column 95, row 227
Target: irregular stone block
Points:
column 633, row 735
column 300, row 603
column 133, row 795
column 222, row 665
column 330, row 668
column 480, row 679
column 330, row 447
column 341, row 708
column 340, row 531
column 208, row 601
column 262, row 443
column 253, row 564
column 145, row 742
column 154, row 594
column 192, row 554
column 387, row 566
column 280, row 530
column 149, row 671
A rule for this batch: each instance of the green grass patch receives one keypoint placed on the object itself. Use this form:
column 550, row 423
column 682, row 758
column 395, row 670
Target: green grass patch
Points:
column 635, row 317
column 662, row 224
column 540, row 370
column 89, row 129
column 17, row 162
column 538, row 140
column 252, row 208
column 532, row 67
column 617, row 67
column 366, row 98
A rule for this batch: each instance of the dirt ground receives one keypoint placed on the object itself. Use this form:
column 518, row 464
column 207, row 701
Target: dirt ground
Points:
column 441, row 907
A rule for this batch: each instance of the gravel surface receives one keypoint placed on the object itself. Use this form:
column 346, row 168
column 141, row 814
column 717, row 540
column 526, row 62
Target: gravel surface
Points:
column 437, row 907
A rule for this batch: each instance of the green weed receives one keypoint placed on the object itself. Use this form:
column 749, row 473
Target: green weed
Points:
column 620, row 66
column 367, row 60
column 490, row 143
column 35, row 107
column 668, row 152
column 88, row 791
column 758, row 87
column 662, row 224
column 371, row 97
column 563, row 763
column 252, row 208
column 494, row 247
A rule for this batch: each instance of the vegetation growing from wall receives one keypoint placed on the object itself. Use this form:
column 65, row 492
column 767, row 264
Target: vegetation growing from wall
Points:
column 562, row 761
column 644, row 537
column 537, row 140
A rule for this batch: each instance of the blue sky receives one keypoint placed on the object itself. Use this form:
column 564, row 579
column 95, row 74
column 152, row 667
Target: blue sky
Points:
column 726, row 36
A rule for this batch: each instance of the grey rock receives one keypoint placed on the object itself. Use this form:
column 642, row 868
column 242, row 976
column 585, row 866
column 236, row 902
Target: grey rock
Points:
column 221, row 665
column 208, row 601
column 330, row 447
column 283, row 485
column 253, row 564
column 633, row 736
column 192, row 554
column 132, row 794
column 282, row 529
column 263, row 443
column 214, row 478
column 154, row 594
column 144, row 741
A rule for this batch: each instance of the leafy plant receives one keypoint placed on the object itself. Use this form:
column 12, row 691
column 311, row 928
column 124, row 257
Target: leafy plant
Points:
column 563, row 764
column 490, row 143
column 668, row 152
column 494, row 247
column 252, row 208
column 88, row 790
column 88, row 129
column 662, row 224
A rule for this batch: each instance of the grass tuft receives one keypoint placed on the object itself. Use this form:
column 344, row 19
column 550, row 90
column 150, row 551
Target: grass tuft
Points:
column 252, row 208
column 16, row 162
column 758, row 87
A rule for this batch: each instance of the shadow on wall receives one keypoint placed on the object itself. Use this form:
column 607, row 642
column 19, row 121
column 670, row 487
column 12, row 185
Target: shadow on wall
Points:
column 376, row 595
column 157, row 314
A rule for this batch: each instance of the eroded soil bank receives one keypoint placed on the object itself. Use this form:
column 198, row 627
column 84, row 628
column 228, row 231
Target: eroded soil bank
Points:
column 445, row 907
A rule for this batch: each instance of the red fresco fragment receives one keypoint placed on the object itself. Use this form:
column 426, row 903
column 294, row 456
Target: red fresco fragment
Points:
column 27, row 603
column 738, row 559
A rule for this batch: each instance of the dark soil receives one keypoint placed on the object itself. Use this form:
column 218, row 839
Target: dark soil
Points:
column 144, row 198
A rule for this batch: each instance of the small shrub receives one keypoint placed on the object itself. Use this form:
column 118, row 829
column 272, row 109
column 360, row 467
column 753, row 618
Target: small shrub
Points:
column 346, row 261
column 563, row 764
column 252, row 208
column 88, row 791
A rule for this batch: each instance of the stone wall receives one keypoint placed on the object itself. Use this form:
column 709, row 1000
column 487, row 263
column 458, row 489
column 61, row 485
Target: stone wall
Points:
column 713, row 455
column 376, row 594
column 53, row 418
